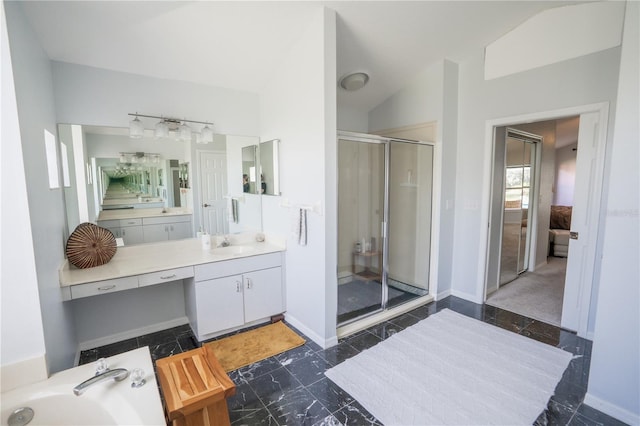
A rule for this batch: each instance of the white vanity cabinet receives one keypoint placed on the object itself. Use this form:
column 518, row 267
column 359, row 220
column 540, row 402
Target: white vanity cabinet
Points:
column 235, row 293
column 130, row 230
column 166, row 228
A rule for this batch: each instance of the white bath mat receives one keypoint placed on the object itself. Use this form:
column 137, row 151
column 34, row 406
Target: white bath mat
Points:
column 450, row 369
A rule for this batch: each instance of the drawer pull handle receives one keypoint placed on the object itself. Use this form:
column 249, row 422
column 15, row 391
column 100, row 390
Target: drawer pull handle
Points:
column 237, row 286
column 249, row 284
column 168, row 276
column 106, row 288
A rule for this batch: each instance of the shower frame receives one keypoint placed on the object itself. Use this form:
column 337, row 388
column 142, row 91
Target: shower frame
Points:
column 385, row 312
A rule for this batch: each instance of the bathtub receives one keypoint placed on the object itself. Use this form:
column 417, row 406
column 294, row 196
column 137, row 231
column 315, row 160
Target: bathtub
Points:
column 105, row 403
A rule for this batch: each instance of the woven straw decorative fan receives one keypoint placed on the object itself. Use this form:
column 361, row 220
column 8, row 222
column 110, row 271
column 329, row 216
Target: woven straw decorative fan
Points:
column 90, row 245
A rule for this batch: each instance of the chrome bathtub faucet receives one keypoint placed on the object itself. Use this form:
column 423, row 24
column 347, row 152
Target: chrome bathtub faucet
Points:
column 118, row 374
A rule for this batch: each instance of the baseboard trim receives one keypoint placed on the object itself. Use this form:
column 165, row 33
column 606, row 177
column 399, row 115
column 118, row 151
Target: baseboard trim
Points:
column 443, row 294
column 114, row 338
column 324, row 343
column 612, row 409
column 24, row 372
column 467, row 296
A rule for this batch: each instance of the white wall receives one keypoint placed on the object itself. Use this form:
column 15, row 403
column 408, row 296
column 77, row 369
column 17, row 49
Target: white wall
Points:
column 565, row 175
column 34, row 95
column 614, row 378
column 585, row 80
column 86, row 95
column 24, row 339
column 352, row 120
column 298, row 107
column 419, row 101
column 555, row 35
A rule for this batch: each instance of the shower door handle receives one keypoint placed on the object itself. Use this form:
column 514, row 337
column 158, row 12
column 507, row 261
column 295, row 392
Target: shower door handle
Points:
column 383, row 229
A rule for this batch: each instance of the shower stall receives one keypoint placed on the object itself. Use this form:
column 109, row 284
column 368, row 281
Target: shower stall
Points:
column 385, row 194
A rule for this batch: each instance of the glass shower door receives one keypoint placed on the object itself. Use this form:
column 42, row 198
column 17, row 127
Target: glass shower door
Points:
column 361, row 183
column 409, row 212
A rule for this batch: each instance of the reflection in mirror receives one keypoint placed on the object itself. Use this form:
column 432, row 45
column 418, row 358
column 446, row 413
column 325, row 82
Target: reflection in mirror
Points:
column 249, row 169
column 153, row 178
column 270, row 167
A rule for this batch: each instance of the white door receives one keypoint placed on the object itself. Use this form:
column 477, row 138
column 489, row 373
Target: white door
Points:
column 213, row 187
column 584, row 224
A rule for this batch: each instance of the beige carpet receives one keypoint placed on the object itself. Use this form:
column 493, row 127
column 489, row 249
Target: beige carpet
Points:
column 255, row 345
column 537, row 295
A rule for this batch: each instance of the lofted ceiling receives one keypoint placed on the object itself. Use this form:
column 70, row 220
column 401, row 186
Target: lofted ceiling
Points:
column 237, row 44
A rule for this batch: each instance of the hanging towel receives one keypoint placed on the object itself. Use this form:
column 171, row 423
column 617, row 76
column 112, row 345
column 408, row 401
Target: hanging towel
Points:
column 234, row 208
column 230, row 217
column 302, row 228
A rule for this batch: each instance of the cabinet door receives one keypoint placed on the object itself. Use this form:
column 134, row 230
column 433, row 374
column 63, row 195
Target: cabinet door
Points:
column 219, row 304
column 155, row 233
column 114, row 230
column 263, row 294
column 132, row 235
column 180, row 230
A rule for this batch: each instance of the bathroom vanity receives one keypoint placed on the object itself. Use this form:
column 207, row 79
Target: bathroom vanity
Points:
column 136, row 226
column 225, row 288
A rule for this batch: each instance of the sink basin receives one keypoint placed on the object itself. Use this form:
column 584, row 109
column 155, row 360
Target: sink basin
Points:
column 233, row 250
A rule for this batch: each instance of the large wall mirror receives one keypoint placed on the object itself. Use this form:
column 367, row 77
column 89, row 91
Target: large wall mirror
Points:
column 110, row 172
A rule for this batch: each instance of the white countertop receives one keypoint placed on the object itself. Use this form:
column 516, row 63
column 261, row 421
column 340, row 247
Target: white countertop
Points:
column 154, row 257
column 142, row 213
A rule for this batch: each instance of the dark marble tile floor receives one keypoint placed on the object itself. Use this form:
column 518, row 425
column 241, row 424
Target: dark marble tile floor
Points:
column 291, row 389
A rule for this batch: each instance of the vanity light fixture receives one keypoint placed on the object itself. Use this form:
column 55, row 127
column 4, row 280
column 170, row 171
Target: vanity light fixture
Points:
column 139, row 157
column 166, row 126
column 136, row 128
column 354, row 81
column 184, row 132
column 206, row 135
column 162, row 129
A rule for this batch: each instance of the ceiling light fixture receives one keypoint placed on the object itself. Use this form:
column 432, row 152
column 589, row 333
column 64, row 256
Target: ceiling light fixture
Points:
column 166, row 126
column 354, row 81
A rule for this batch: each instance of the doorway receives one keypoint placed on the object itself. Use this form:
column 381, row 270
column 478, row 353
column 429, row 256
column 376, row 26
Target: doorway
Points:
column 385, row 192
column 213, row 184
column 580, row 281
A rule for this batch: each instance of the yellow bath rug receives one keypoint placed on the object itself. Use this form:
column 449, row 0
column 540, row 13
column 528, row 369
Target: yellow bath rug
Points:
column 255, row 345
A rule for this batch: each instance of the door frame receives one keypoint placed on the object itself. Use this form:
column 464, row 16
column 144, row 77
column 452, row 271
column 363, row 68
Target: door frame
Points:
column 602, row 109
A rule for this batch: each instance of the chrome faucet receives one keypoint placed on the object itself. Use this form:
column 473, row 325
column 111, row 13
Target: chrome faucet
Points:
column 225, row 242
column 118, row 374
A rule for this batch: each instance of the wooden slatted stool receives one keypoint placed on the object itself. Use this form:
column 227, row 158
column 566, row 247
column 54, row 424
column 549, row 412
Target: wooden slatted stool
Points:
column 195, row 388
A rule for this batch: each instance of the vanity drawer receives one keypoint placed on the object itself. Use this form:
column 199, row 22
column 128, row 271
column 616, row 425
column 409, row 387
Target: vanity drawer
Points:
column 130, row 222
column 109, row 223
column 102, row 287
column 226, row 268
column 166, row 219
column 165, row 276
